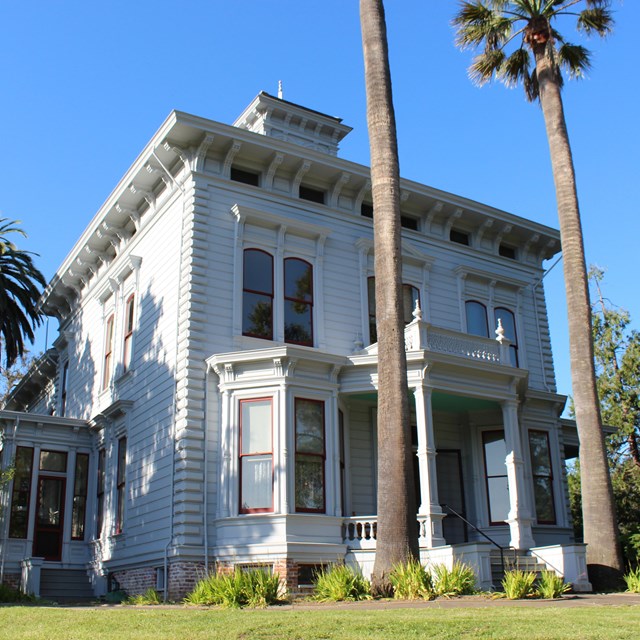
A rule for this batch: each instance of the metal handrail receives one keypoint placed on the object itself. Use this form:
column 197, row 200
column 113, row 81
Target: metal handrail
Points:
column 482, row 533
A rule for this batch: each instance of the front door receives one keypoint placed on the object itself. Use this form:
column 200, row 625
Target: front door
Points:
column 451, row 494
column 47, row 541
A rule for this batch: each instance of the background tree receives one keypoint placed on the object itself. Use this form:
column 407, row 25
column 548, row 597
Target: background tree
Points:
column 20, row 283
column 617, row 359
column 397, row 533
column 519, row 42
column 9, row 376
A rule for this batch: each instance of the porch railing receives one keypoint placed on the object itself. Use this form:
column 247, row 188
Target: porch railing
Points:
column 474, row 348
column 359, row 532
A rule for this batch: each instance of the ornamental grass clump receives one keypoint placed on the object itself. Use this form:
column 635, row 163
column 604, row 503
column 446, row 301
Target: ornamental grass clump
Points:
column 340, row 582
column 411, row 581
column 551, row 585
column 149, row 597
column 632, row 580
column 518, row 584
column 9, row 595
column 242, row 588
column 459, row 580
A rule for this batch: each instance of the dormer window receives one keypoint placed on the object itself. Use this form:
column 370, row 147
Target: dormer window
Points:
column 366, row 210
column 461, row 237
column 244, row 176
column 506, row 251
column 407, row 222
column 311, row 194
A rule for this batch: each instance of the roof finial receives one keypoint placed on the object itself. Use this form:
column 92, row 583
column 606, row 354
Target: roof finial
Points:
column 280, row 89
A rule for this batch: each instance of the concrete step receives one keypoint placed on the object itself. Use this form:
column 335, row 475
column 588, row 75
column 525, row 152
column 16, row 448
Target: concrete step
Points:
column 65, row 585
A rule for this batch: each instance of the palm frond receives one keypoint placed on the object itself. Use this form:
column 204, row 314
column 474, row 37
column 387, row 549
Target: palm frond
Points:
column 515, row 68
column 596, row 20
column 575, row 58
column 485, row 66
column 531, row 87
column 477, row 24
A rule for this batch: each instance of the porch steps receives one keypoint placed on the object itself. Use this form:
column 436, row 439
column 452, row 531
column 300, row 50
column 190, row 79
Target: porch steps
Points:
column 513, row 559
column 65, row 585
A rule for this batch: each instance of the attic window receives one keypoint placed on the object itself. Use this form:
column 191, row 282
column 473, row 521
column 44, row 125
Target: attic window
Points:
column 507, row 252
column 409, row 223
column 461, row 237
column 246, row 177
column 366, row 210
column 311, row 194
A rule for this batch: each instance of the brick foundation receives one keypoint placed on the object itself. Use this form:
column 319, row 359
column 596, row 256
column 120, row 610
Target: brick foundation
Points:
column 136, row 581
column 12, row 580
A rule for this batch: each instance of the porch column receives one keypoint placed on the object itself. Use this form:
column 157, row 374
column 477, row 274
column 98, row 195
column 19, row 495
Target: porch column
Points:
column 432, row 535
column 519, row 518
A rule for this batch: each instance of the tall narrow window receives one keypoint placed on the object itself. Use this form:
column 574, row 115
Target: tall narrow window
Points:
column 108, row 352
column 508, row 321
column 495, row 453
column 120, row 483
column 100, row 494
column 542, row 477
column 63, row 388
column 410, row 295
column 310, row 455
column 476, row 318
column 79, row 511
column 129, row 314
column 256, row 456
column 298, row 302
column 257, row 294
column 19, row 518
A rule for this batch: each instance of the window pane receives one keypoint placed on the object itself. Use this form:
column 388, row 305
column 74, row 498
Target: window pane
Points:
column 297, row 323
column 257, row 478
column 21, row 492
column 53, row 461
column 309, row 483
column 498, row 498
column 543, row 491
column 257, row 316
column 309, row 426
column 476, row 319
column 256, row 426
column 540, row 458
column 508, row 321
column 371, row 292
column 298, row 281
column 409, row 296
column 495, row 453
column 122, row 459
column 258, row 271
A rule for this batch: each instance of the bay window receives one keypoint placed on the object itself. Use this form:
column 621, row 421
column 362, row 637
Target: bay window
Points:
column 310, row 455
column 256, row 456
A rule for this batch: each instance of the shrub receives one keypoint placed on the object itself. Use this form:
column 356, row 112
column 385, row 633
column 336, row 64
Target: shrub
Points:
column 340, row 582
column 632, row 579
column 411, row 581
column 150, row 596
column 7, row 594
column 253, row 588
column 518, row 584
column 460, row 580
column 551, row 585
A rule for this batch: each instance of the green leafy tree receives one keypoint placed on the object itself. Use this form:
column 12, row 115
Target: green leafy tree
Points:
column 397, row 533
column 10, row 376
column 20, row 290
column 518, row 42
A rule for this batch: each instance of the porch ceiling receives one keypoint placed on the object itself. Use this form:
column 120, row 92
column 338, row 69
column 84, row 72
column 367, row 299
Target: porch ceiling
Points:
column 444, row 402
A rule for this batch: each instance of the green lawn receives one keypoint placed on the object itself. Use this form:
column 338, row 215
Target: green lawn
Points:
column 588, row 622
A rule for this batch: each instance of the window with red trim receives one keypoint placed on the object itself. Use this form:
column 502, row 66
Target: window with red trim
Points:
column 298, row 302
column 310, row 455
column 257, row 294
column 256, row 455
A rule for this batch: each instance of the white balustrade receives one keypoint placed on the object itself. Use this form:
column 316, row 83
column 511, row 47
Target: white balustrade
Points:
column 359, row 532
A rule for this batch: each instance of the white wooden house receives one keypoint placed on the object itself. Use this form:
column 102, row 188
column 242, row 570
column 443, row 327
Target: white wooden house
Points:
column 211, row 396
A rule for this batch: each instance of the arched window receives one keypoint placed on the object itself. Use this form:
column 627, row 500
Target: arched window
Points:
column 410, row 295
column 257, row 294
column 508, row 321
column 298, row 302
column 476, row 318
column 128, row 332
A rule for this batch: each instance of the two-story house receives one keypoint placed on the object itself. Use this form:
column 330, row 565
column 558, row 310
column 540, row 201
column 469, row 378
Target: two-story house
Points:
column 211, row 396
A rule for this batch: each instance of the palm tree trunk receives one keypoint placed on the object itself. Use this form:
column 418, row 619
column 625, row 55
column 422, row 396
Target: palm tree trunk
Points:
column 397, row 534
column 600, row 529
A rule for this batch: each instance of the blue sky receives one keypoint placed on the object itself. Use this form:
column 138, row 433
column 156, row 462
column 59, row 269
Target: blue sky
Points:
column 84, row 85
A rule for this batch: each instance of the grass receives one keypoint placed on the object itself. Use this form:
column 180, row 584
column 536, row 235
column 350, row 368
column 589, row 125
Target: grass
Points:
column 460, row 580
column 502, row 621
column 411, row 581
column 340, row 582
column 518, row 584
column 551, row 585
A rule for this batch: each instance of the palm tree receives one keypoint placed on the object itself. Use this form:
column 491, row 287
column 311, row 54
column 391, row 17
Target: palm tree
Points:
column 518, row 42
column 20, row 283
column 397, row 537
